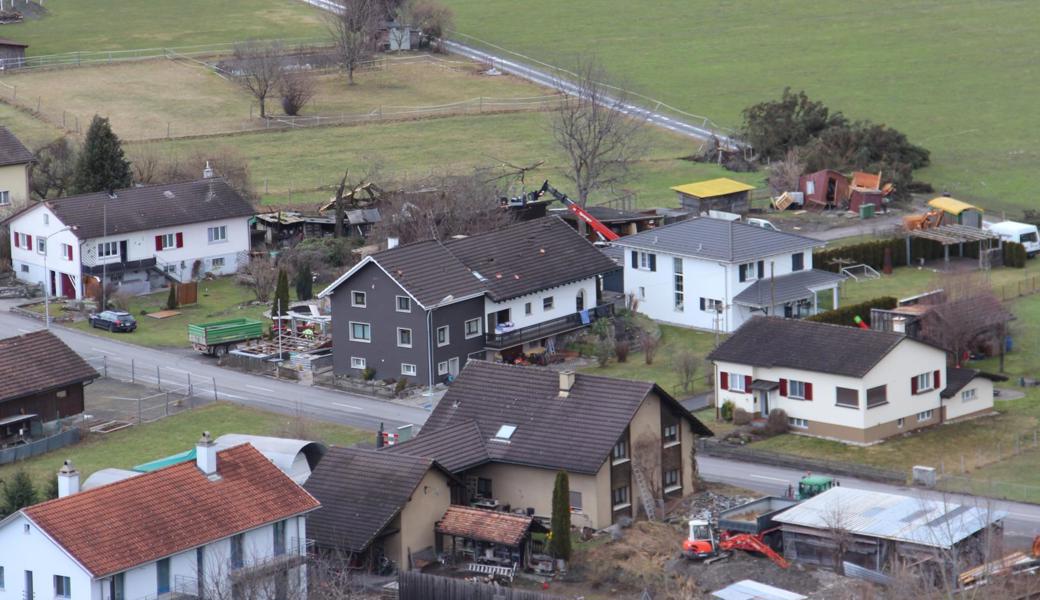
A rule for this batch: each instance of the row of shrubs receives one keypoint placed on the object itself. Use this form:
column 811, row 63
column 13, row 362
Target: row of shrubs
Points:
column 776, row 422
column 846, row 315
column 1014, row 255
column 873, row 254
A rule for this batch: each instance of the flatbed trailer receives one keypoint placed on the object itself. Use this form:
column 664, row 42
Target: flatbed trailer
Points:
column 218, row 337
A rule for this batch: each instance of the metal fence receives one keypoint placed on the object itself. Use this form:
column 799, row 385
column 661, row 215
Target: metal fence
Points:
column 160, row 391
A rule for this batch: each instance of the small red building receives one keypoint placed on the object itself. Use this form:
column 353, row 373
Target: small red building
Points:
column 824, row 189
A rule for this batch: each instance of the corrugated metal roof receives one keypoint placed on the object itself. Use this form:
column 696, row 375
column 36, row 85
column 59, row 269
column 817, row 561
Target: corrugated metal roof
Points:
column 891, row 516
column 753, row 590
column 786, row 288
column 713, row 187
column 951, row 205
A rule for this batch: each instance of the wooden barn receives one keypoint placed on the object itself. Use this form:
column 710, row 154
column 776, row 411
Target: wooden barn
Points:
column 715, row 194
column 12, row 54
column 824, row 189
column 43, row 378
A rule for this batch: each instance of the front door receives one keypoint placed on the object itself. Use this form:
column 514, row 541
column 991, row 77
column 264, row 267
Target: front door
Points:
column 763, row 399
column 68, row 288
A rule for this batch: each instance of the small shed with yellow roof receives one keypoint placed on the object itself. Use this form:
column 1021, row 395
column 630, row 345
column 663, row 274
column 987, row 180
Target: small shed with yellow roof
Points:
column 715, row 194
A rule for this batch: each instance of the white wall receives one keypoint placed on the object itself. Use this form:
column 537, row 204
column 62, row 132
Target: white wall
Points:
column 957, row 406
column 909, row 358
column 28, row 264
column 564, row 303
column 33, row 551
column 655, row 290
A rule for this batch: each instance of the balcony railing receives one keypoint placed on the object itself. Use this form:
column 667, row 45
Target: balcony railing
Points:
column 557, row 326
column 119, row 266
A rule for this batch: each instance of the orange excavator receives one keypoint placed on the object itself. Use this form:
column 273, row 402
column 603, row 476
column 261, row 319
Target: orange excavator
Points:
column 926, row 220
column 703, row 543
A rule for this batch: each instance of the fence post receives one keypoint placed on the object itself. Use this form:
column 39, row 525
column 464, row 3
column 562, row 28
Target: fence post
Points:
column 167, row 404
column 133, row 379
column 158, row 378
column 215, row 398
column 139, row 411
column 104, row 364
column 190, row 391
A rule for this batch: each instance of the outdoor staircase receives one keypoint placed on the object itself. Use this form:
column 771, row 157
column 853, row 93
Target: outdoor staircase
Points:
column 645, row 497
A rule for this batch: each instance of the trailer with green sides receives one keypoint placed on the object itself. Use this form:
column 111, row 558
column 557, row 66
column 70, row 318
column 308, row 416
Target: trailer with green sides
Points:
column 218, row 337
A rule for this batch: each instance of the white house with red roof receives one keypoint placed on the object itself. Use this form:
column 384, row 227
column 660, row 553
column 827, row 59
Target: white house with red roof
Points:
column 229, row 524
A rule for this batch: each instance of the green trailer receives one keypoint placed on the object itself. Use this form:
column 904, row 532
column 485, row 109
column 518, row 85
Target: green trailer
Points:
column 218, row 337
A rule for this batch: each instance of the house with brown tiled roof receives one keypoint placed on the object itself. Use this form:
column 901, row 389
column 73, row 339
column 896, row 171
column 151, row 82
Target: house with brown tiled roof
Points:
column 43, row 381
column 507, row 430
column 229, row 524
column 15, row 160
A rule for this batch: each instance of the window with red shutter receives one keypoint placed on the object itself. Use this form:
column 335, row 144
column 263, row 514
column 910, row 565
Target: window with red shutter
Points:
column 724, row 380
column 180, row 240
column 28, row 242
column 747, row 383
column 913, row 385
column 158, row 243
column 68, row 249
column 783, row 387
column 17, row 240
column 808, row 391
column 935, row 376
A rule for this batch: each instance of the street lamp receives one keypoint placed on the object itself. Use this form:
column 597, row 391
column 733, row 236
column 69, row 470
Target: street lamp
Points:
column 47, row 274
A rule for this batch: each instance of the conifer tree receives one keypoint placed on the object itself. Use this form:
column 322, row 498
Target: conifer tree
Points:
column 101, row 166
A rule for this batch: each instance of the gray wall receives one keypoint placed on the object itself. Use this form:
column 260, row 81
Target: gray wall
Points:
column 383, row 353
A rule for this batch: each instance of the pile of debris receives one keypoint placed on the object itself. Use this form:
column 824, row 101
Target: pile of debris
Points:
column 704, row 506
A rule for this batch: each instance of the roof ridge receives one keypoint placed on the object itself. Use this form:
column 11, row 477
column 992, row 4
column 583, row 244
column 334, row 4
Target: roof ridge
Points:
column 135, row 188
column 535, row 368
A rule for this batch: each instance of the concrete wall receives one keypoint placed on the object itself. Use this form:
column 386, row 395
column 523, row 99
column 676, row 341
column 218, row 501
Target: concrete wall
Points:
column 428, row 503
column 958, row 407
column 15, row 180
column 523, row 487
column 859, row 425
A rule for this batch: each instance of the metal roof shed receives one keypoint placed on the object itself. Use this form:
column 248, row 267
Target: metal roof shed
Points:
column 950, row 235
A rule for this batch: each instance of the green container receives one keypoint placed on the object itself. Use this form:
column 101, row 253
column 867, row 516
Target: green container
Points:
column 866, row 211
column 225, row 332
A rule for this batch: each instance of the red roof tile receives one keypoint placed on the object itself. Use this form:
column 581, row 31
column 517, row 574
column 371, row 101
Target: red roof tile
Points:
column 37, row 362
column 112, row 528
column 484, row 525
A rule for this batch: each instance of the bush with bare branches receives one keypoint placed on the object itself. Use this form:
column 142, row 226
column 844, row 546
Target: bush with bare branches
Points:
column 260, row 273
column 259, row 67
column 152, row 164
column 297, row 90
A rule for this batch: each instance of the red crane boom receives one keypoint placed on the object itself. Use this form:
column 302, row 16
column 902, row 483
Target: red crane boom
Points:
column 602, row 230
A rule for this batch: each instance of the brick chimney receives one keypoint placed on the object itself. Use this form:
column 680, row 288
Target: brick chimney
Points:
column 68, row 480
column 206, row 455
column 566, row 383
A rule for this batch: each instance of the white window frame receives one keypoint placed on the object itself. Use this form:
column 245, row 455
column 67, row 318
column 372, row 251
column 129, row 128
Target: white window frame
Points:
column 528, row 309
column 46, row 219
column 476, row 332
column 614, row 458
column 735, row 387
column 66, row 583
column 408, row 369
column 644, row 261
column 353, row 299
column 5, row 198
column 442, row 367
column 798, row 423
column 358, row 362
column 750, row 271
column 169, row 241
column 575, row 508
column 674, row 486
column 217, row 235
column 666, row 433
column 107, row 249
column 899, row 422
column 642, row 293
column 627, row 501
column 401, row 344
column 41, row 244
column 548, row 303
column 407, row 303
column 969, row 394
column 447, row 336
column 792, row 384
column 215, row 263
column 351, row 325
column 711, row 305
column 925, row 416
column 929, row 382
column 65, row 251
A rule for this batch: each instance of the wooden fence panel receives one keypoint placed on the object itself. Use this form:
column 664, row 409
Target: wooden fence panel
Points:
column 187, row 293
column 422, row 586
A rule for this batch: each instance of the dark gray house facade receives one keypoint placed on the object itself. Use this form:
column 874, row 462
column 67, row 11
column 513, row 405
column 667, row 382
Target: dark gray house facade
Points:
column 422, row 310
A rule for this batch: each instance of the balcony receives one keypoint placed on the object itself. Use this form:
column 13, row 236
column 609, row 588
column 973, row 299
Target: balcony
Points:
column 500, row 341
column 119, row 266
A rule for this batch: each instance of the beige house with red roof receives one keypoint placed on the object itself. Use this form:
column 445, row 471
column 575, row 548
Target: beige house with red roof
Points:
column 228, row 525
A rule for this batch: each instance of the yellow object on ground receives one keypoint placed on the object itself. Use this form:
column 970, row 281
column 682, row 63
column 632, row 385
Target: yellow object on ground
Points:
column 713, row 187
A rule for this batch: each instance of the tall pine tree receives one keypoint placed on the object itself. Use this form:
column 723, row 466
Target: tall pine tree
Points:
column 304, row 283
column 561, row 517
column 18, row 493
column 280, row 302
column 101, row 166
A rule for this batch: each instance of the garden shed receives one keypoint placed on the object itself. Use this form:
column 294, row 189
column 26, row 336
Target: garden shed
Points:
column 715, row 194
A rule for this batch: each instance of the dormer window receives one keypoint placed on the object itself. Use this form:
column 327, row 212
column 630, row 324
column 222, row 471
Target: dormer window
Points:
column 505, row 432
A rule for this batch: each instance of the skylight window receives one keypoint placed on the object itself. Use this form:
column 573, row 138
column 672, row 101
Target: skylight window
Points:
column 505, row 432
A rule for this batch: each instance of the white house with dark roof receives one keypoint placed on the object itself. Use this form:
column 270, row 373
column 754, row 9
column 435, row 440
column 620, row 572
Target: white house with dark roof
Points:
column 844, row 383
column 715, row 274
column 135, row 238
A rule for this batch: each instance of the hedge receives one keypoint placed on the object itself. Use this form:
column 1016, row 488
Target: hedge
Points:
column 845, row 315
column 1014, row 255
column 873, row 253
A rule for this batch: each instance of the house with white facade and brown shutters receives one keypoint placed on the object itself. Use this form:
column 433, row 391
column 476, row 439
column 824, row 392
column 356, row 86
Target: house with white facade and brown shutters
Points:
column 136, row 239
column 715, row 274
column 844, row 383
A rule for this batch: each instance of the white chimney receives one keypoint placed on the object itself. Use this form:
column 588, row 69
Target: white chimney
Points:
column 207, row 173
column 566, row 383
column 899, row 325
column 206, row 455
column 68, row 480
column 392, row 242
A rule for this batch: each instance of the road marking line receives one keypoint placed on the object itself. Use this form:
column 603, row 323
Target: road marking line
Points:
column 262, row 389
column 768, row 478
column 227, row 395
column 347, row 406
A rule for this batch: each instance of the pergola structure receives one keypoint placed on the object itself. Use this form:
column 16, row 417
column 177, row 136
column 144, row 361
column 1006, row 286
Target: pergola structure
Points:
column 954, row 235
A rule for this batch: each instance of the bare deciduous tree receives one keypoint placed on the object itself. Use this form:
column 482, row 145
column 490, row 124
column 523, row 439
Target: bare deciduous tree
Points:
column 646, row 458
column 785, row 173
column 836, row 520
column 153, row 165
column 260, row 273
column 434, row 21
column 967, row 317
column 649, row 343
column 686, row 362
column 53, row 169
column 353, row 30
column 591, row 126
column 260, row 67
column 297, row 90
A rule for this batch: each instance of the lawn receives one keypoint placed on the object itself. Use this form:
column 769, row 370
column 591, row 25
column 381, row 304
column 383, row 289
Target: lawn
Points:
column 221, row 298
column 142, row 443
column 661, row 371
column 75, row 25
column 31, row 131
column 908, row 281
column 947, row 73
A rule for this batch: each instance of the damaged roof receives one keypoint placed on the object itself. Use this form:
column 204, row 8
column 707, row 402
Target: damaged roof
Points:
column 485, row 525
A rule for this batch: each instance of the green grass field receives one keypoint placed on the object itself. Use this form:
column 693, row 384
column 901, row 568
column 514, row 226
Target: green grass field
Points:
column 142, row 443
column 74, row 25
column 949, row 73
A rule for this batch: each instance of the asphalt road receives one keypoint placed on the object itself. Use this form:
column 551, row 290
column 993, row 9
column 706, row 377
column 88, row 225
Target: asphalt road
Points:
column 177, row 367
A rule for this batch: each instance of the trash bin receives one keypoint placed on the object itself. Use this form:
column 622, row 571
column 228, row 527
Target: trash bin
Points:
column 866, row 211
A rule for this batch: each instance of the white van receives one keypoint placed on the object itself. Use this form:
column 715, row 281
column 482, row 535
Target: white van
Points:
column 1013, row 231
